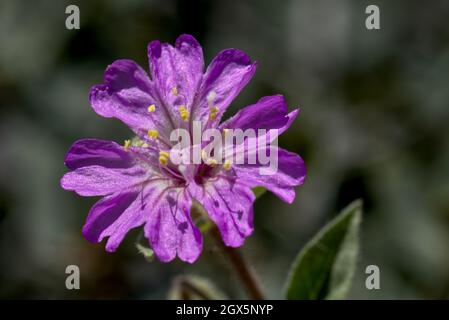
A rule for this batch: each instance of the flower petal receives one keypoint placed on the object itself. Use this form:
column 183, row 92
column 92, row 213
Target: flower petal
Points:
column 267, row 119
column 230, row 206
column 176, row 71
column 226, row 76
column 290, row 118
column 88, row 152
column 126, row 95
column 99, row 181
column 268, row 113
column 113, row 216
column 170, row 229
column 290, row 172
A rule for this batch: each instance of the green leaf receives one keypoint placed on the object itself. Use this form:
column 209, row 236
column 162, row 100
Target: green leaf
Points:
column 191, row 287
column 147, row 253
column 259, row 191
column 325, row 266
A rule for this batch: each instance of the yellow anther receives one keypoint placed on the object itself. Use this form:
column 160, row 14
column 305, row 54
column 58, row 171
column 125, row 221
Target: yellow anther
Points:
column 151, row 108
column 163, row 157
column 153, row 134
column 174, row 90
column 163, row 161
column 211, row 162
column 127, row 144
column 184, row 113
column 225, row 132
column 213, row 112
column 164, row 154
column 227, row 165
column 144, row 145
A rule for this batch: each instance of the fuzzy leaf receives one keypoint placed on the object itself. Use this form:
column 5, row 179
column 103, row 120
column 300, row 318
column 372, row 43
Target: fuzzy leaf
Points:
column 325, row 266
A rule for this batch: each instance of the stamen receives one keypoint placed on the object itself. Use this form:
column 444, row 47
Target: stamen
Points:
column 225, row 132
column 213, row 112
column 151, row 108
column 211, row 96
column 203, row 155
column 127, row 144
column 163, row 157
column 174, row 90
column 137, row 143
column 211, row 162
column 163, row 161
column 184, row 113
column 153, row 134
column 227, row 165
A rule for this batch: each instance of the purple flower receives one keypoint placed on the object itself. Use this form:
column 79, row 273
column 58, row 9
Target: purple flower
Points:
column 139, row 183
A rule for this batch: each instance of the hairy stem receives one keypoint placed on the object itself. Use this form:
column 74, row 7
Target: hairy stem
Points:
column 240, row 266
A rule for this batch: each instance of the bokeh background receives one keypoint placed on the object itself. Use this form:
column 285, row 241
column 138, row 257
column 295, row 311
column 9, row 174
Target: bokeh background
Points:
column 374, row 125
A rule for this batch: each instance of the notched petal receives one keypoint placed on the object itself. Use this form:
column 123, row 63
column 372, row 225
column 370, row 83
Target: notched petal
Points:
column 225, row 77
column 88, row 152
column 170, row 229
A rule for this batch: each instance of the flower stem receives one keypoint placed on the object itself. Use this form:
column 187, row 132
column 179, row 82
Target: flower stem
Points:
column 240, row 266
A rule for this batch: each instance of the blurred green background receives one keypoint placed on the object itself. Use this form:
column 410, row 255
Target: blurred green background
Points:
column 374, row 125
